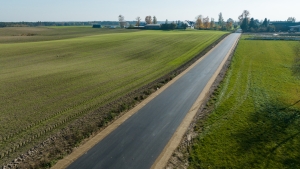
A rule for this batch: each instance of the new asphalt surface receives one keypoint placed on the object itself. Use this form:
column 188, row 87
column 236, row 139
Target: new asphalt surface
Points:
column 139, row 141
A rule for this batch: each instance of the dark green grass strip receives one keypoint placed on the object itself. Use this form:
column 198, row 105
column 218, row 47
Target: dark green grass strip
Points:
column 256, row 117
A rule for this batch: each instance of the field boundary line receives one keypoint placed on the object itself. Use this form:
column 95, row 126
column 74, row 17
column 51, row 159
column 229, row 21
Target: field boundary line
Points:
column 175, row 140
column 82, row 149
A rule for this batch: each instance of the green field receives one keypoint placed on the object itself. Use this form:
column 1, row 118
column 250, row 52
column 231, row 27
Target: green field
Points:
column 36, row 34
column 255, row 122
column 59, row 74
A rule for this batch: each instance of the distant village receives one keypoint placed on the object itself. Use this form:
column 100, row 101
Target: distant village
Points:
column 205, row 23
column 246, row 23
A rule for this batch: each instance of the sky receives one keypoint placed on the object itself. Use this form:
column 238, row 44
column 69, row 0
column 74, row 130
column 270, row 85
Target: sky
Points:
column 108, row 10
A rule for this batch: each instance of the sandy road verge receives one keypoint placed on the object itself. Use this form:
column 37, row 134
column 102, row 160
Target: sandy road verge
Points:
column 65, row 162
column 165, row 155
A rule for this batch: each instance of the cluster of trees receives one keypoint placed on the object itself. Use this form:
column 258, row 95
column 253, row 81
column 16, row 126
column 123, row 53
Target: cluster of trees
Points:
column 168, row 26
column 148, row 20
column 39, row 23
column 165, row 26
column 291, row 19
column 209, row 23
column 204, row 23
column 254, row 25
column 173, row 25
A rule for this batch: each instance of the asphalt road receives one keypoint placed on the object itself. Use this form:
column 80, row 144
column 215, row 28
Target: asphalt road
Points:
column 139, row 141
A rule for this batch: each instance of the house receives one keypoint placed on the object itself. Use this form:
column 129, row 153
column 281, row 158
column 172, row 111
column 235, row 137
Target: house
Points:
column 190, row 24
column 153, row 26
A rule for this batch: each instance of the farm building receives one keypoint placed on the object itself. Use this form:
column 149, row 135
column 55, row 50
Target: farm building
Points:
column 139, row 27
column 97, row 26
column 295, row 28
column 283, row 26
column 153, row 26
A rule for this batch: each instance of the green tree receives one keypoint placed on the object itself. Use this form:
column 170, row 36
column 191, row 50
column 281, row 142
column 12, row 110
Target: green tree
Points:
column 173, row 25
column 184, row 25
column 154, row 20
column 221, row 20
column 265, row 23
column 252, row 24
column 212, row 23
column 271, row 28
column 245, row 25
column 244, row 20
column 2, row 24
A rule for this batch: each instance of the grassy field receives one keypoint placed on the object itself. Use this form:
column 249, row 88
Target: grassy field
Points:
column 256, row 116
column 59, row 75
column 36, row 34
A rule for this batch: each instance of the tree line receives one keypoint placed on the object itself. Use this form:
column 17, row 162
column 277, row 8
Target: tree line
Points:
column 248, row 24
column 40, row 23
column 152, row 20
column 207, row 23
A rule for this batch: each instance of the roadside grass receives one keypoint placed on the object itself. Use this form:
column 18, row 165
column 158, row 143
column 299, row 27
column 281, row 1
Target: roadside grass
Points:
column 46, row 85
column 255, row 115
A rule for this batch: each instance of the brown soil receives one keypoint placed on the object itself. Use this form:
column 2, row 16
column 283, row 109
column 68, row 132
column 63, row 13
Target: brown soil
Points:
column 78, row 132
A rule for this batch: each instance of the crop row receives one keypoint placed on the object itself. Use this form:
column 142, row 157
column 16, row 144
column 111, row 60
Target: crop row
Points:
column 44, row 93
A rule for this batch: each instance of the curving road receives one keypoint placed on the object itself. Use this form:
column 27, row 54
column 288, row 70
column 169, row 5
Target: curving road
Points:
column 139, row 141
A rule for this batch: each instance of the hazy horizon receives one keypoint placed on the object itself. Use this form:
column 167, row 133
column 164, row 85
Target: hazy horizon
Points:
column 93, row 10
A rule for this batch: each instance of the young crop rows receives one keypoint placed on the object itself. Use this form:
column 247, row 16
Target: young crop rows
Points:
column 47, row 84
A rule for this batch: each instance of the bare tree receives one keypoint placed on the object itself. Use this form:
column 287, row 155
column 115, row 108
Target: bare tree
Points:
column 148, row 19
column 244, row 15
column 199, row 22
column 138, row 21
column 291, row 19
column 122, row 21
column 206, row 23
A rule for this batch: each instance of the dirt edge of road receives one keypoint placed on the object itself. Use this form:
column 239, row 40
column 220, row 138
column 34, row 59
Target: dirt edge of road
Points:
column 183, row 138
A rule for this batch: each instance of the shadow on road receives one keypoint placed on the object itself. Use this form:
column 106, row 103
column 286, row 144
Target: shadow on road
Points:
column 272, row 136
